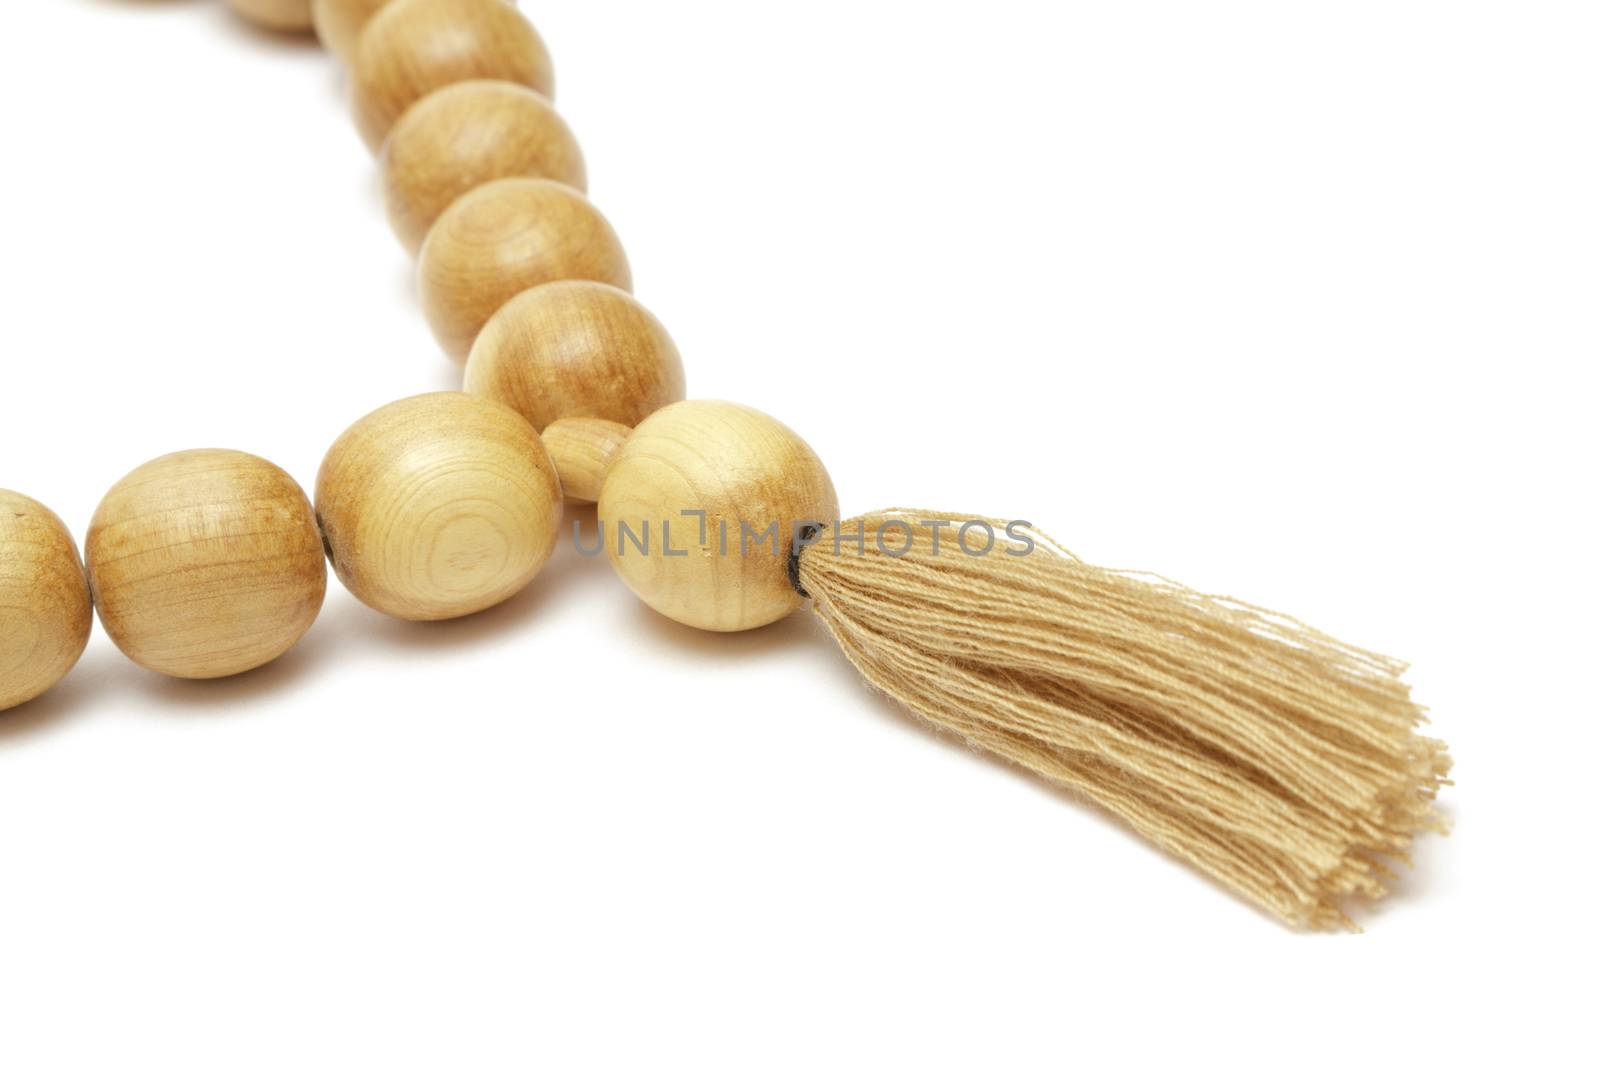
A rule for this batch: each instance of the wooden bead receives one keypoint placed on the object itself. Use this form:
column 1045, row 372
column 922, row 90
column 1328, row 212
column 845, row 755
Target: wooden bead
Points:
column 459, row 137
column 285, row 16
column 45, row 613
column 339, row 22
column 409, row 48
column 576, row 348
column 206, row 563
column 756, row 482
column 438, row 506
column 582, row 450
column 502, row 238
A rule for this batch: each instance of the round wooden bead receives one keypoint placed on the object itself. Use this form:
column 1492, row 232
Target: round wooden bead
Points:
column 459, row 137
column 45, row 613
column 409, row 48
column 286, row 16
column 438, row 506
column 502, row 238
column 576, row 348
column 750, row 479
column 582, row 450
column 339, row 22
column 206, row 563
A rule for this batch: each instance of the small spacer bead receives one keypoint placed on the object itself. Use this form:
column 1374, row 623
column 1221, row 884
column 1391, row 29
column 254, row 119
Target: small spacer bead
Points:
column 582, row 450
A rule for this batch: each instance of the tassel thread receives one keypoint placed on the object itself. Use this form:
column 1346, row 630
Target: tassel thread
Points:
column 1284, row 763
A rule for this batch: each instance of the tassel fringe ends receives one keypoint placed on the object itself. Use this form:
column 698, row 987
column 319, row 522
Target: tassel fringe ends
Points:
column 1280, row 761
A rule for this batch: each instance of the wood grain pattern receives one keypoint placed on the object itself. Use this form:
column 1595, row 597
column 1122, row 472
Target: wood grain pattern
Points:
column 206, row 563
column 747, row 471
column 576, row 348
column 438, row 506
column 459, row 137
column 339, row 23
column 582, row 450
column 284, row 16
column 505, row 237
column 45, row 614
column 409, row 48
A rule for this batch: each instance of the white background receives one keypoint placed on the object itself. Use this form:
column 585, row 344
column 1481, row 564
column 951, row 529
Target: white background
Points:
column 1289, row 300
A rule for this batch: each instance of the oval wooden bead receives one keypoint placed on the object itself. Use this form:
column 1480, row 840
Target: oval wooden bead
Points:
column 438, row 506
column 339, row 23
column 505, row 237
column 756, row 482
column 45, row 614
column 582, row 450
column 576, row 348
column 206, row 563
column 285, row 16
column 409, row 48
column 459, row 137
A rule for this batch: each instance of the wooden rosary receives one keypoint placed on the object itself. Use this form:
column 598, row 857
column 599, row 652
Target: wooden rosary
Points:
column 1281, row 762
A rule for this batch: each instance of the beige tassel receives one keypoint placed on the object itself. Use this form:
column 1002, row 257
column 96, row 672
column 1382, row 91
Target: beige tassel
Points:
column 1280, row 761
